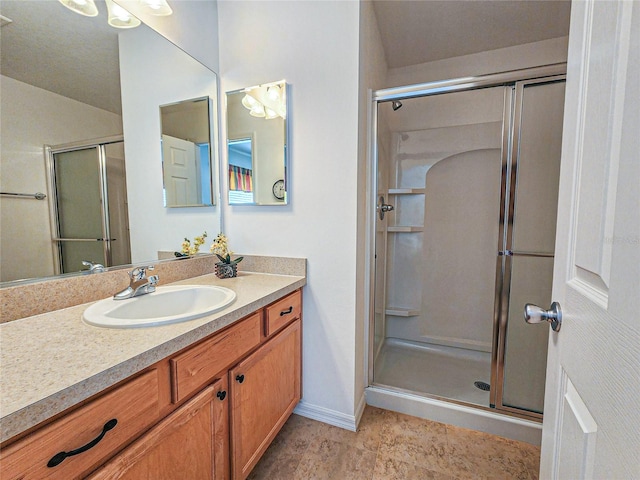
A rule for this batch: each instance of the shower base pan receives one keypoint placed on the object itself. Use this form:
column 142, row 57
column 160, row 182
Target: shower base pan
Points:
column 408, row 376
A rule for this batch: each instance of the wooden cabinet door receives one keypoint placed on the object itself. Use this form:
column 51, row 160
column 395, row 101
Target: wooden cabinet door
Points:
column 189, row 443
column 265, row 388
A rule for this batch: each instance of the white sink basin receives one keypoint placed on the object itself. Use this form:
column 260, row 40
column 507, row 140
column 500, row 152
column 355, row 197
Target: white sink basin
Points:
column 166, row 305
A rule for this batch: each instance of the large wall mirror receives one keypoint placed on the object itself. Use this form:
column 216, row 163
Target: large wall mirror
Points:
column 186, row 153
column 257, row 145
column 74, row 81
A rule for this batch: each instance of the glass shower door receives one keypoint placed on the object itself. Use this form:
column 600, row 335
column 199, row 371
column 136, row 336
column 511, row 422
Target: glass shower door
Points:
column 89, row 212
column 530, row 242
column 78, row 189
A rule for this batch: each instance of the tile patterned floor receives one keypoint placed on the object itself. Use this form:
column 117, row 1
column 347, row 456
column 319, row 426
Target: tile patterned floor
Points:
column 391, row 445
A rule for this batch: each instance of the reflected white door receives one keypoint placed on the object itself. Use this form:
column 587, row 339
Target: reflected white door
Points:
column 181, row 172
column 592, row 418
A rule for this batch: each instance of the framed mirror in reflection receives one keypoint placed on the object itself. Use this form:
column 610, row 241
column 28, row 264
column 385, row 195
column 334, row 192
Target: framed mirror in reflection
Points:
column 186, row 153
column 68, row 81
column 257, row 137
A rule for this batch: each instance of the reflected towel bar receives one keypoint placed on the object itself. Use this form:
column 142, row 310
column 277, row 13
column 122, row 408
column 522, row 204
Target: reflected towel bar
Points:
column 37, row 196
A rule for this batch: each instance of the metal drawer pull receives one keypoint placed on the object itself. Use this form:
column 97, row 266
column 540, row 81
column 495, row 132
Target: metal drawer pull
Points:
column 58, row 458
column 239, row 378
column 287, row 311
column 221, row 395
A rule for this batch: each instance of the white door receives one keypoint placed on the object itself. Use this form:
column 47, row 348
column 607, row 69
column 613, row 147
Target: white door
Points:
column 592, row 405
column 181, row 172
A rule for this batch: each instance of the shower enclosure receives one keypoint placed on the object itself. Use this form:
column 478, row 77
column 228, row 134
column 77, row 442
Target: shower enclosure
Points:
column 89, row 214
column 466, row 179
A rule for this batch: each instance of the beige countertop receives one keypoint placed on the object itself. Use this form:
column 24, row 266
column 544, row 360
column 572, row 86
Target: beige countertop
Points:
column 52, row 361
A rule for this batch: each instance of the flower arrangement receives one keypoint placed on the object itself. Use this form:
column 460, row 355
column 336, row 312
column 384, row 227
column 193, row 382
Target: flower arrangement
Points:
column 225, row 268
column 189, row 249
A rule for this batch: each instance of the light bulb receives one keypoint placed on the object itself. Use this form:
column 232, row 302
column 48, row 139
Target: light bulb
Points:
column 157, row 7
column 269, row 113
column 248, row 101
column 273, row 93
column 119, row 17
column 257, row 110
column 83, row 7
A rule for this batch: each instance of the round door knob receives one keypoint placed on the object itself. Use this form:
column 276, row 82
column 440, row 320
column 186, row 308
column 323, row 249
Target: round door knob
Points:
column 535, row 314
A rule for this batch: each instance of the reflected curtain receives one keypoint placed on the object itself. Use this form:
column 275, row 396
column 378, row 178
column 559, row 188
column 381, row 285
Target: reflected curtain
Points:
column 240, row 179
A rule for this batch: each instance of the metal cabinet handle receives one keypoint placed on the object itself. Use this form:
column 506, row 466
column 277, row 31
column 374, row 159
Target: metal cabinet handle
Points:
column 535, row 314
column 221, row 395
column 239, row 378
column 58, row 458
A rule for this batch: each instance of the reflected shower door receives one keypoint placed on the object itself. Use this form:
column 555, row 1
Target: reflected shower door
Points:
column 90, row 215
column 78, row 189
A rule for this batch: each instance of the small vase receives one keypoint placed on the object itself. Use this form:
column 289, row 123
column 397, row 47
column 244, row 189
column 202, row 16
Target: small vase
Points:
column 226, row 270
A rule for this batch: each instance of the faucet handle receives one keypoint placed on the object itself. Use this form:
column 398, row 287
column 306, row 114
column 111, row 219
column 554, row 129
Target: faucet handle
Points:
column 139, row 273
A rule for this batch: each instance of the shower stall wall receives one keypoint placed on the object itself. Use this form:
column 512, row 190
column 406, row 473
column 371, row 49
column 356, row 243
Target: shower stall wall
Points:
column 468, row 178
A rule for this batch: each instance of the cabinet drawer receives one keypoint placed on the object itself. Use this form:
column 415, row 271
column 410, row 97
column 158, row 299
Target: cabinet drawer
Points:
column 133, row 405
column 282, row 312
column 192, row 369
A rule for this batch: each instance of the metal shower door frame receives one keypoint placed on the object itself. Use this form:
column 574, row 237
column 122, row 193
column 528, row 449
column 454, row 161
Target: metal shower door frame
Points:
column 508, row 78
column 506, row 252
column 50, row 152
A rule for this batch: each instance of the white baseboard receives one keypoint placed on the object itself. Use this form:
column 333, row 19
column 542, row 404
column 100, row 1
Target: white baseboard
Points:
column 332, row 417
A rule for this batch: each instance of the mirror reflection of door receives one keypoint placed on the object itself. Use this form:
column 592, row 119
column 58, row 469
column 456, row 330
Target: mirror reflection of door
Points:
column 186, row 153
column 240, row 171
column 181, row 172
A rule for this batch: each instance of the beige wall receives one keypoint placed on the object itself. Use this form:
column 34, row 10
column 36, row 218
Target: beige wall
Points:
column 155, row 72
column 314, row 46
column 31, row 118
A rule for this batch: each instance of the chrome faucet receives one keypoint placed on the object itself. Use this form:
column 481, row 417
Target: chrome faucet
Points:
column 93, row 267
column 139, row 284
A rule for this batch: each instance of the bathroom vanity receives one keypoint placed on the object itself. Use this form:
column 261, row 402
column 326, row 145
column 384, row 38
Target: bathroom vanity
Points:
column 200, row 399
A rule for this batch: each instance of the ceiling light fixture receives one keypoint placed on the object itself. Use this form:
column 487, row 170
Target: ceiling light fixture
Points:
column 157, row 7
column 119, row 17
column 83, row 7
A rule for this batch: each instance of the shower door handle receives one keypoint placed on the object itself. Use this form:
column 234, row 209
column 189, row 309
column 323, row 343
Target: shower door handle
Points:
column 535, row 314
column 382, row 207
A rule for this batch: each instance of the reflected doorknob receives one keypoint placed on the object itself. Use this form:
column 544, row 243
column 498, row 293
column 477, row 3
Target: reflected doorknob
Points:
column 382, row 207
column 535, row 314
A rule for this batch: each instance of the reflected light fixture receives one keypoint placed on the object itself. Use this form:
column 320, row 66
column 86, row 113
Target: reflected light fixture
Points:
column 158, row 7
column 265, row 101
column 83, row 7
column 269, row 113
column 119, row 17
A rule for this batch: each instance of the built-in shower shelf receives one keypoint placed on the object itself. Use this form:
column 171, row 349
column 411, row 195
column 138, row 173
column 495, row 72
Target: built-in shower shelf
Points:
column 404, row 229
column 402, row 312
column 406, row 191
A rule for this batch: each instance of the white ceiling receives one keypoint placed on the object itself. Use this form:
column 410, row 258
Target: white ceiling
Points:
column 420, row 31
column 49, row 46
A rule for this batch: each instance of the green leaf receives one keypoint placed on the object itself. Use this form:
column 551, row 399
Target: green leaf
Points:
column 228, row 260
column 221, row 258
column 238, row 260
